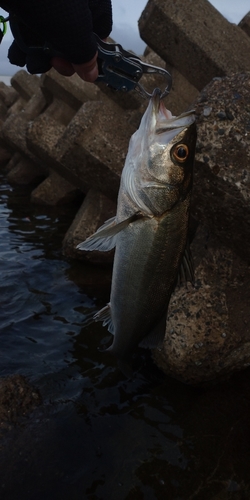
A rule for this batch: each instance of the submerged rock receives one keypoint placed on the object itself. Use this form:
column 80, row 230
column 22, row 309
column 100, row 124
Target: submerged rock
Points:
column 17, row 399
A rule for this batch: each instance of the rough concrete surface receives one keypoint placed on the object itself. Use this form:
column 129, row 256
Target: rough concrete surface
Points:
column 71, row 91
column 5, row 156
column 86, row 152
column 8, row 95
column 54, row 190
column 221, row 192
column 194, row 38
column 26, row 172
column 25, row 84
column 208, row 325
column 245, row 24
column 95, row 210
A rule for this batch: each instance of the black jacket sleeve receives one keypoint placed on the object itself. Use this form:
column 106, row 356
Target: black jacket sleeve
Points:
column 68, row 25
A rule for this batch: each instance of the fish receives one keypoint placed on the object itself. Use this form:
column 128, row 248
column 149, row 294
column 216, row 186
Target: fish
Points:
column 150, row 229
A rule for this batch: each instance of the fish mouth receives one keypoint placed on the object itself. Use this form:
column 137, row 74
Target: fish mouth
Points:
column 156, row 101
column 164, row 120
column 158, row 105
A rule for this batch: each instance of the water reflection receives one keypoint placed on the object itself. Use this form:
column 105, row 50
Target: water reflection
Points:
column 100, row 435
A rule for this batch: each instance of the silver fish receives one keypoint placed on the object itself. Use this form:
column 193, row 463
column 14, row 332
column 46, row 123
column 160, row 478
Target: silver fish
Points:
column 150, row 228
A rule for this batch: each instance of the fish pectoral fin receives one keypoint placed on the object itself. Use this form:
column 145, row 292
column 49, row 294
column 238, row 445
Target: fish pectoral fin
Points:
column 104, row 238
column 156, row 336
column 104, row 315
column 186, row 271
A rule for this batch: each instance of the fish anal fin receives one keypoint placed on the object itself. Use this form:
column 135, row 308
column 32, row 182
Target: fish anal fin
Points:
column 104, row 239
column 104, row 315
column 156, row 336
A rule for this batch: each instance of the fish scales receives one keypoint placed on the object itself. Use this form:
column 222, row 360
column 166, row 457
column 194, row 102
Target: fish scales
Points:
column 148, row 269
column 150, row 228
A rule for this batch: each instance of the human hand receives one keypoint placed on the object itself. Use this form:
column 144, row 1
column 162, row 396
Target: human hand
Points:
column 87, row 71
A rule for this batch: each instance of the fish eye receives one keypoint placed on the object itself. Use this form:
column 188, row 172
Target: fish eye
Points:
column 180, row 152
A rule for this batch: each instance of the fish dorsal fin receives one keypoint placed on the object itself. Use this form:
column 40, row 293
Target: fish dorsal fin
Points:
column 104, row 238
column 156, row 336
column 186, row 271
column 104, row 315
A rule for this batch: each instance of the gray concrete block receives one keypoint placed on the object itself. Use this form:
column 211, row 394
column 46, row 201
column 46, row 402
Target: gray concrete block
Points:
column 14, row 160
column 208, row 325
column 5, row 155
column 221, row 191
column 95, row 210
column 60, row 111
column 13, row 131
column 42, row 136
column 25, row 84
column 26, row 172
column 8, row 95
column 73, row 91
column 90, row 151
column 54, row 190
column 17, row 107
column 194, row 38
column 94, row 146
column 244, row 24
column 3, row 112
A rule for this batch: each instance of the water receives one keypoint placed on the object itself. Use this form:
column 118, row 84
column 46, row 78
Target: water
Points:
column 98, row 435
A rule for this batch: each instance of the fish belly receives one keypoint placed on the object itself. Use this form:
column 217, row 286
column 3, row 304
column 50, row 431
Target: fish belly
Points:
column 147, row 258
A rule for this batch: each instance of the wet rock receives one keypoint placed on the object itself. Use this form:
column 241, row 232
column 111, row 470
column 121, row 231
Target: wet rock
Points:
column 17, row 399
column 208, row 327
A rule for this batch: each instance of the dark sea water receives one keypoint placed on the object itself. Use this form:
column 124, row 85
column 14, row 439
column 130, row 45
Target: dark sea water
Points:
column 99, row 435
